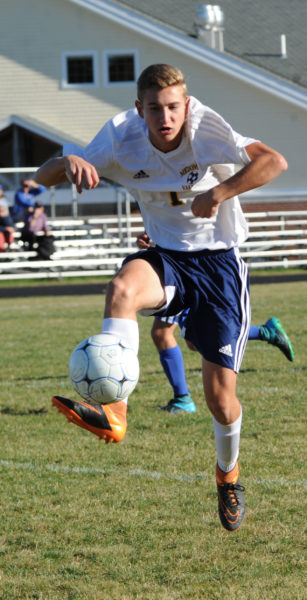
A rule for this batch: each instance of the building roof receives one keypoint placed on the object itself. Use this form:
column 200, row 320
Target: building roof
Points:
column 247, row 30
column 39, row 128
column 252, row 30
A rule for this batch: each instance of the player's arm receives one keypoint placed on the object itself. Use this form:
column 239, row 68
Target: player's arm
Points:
column 265, row 164
column 31, row 183
column 68, row 168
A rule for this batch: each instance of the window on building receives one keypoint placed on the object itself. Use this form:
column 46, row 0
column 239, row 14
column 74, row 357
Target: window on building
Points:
column 79, row 69
column 120, row 67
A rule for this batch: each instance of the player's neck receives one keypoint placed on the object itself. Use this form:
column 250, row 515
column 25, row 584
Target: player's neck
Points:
column 166, row 146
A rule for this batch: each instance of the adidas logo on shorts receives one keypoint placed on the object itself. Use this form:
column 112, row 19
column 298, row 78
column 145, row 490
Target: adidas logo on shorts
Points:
column 140, row 175
column 226, row 350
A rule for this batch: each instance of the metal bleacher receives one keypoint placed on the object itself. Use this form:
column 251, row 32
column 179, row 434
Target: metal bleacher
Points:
column 276, row 239
column 97, row 246
column 84, row 247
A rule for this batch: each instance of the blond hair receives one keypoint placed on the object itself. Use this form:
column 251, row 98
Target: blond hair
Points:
column 159, row 76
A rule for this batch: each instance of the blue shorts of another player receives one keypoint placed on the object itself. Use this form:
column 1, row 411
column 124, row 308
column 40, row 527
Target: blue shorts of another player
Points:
column 214, row 286
column 179, row 319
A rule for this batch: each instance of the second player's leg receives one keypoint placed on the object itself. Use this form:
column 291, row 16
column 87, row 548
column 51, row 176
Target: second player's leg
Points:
column 162, row 334
column 171, row 359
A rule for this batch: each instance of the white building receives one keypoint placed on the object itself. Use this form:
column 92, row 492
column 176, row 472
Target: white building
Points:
column 69, row 65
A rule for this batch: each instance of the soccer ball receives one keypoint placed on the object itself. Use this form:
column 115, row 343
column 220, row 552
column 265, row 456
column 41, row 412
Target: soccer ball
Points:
column 103, row 369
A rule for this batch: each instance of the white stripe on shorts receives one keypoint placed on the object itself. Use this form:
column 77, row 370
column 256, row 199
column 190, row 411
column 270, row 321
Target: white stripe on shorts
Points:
column 246, row 312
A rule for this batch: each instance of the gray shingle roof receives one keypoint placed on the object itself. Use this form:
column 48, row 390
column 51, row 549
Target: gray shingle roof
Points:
column 252, row 30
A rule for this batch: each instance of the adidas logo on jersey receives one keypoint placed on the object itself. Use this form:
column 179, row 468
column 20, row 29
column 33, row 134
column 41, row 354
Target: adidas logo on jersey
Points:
column 226, row 350
column 140, row 175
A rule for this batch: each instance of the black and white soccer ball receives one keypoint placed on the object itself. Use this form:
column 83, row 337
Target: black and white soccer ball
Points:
column 103, row 369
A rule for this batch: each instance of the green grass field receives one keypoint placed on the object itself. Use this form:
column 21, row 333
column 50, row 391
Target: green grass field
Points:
column 138, row 520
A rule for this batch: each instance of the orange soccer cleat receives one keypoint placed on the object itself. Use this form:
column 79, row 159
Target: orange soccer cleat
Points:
column 107, row 421
column 231, row 504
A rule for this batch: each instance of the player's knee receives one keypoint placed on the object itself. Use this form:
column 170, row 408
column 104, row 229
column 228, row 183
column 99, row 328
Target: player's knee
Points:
column 120, row 293
column 157, row 337
column 160, row 340
column 221, row 405
column 162, row 337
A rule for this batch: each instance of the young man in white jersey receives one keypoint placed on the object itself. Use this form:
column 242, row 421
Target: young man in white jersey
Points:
column 161, row 153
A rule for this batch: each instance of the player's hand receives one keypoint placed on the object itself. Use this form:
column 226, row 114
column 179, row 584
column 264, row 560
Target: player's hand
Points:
column 143, row 241
column 205, row 205
column 80, row 172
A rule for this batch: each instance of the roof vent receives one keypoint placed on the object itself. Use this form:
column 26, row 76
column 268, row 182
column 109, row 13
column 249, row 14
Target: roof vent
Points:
column 208, row 25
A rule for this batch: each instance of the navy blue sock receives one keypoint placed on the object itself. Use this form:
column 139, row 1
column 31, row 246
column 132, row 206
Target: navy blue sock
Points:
column 253, row 332
column 173, row 366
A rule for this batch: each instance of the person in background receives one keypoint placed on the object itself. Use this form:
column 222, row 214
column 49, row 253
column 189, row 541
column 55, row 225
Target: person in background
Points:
column 3, row 198
column 37, row 231
column 35, row 221
column 6, row 227
column 25, row 198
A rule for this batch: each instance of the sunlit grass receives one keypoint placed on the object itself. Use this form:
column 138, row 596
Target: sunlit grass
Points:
column 138, row 520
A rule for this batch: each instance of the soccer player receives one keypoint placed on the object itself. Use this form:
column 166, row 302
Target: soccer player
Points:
column 171, row 358
column 170, row 354
column 161, row 152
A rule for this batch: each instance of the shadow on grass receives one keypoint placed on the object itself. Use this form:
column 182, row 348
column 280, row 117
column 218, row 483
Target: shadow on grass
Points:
column 47, row 378
column 17, row 413
column 276, row 370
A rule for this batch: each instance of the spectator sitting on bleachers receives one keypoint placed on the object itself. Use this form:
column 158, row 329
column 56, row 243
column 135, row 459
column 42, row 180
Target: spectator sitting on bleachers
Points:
column 35, row 223
column 3, row 198
column 6, row 227
column 25, row 198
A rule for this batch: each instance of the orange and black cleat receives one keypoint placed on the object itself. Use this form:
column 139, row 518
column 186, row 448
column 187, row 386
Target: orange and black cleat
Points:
column 231, row 504
column 108, row 422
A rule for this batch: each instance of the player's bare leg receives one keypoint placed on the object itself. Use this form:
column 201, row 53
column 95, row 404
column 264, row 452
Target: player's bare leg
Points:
column 220, row 391
column 162, row 334
column 135, row 287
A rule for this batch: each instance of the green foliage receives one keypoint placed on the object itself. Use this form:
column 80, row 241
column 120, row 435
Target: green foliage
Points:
column 138, row 520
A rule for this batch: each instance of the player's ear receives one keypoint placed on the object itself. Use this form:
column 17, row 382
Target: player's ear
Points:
column 187, row 102
column 139, row 108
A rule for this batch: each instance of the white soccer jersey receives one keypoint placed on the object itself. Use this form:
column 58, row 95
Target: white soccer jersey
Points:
column 165, row 184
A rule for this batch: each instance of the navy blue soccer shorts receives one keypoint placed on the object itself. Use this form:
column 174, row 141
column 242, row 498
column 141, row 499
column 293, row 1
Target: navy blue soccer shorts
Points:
column 214, row 285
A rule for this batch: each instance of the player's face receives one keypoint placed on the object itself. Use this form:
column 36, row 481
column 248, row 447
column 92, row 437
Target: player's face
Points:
column 164, row 112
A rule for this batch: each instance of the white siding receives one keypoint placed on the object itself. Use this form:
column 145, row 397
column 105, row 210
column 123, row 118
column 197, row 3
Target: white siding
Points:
column 35, row 34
